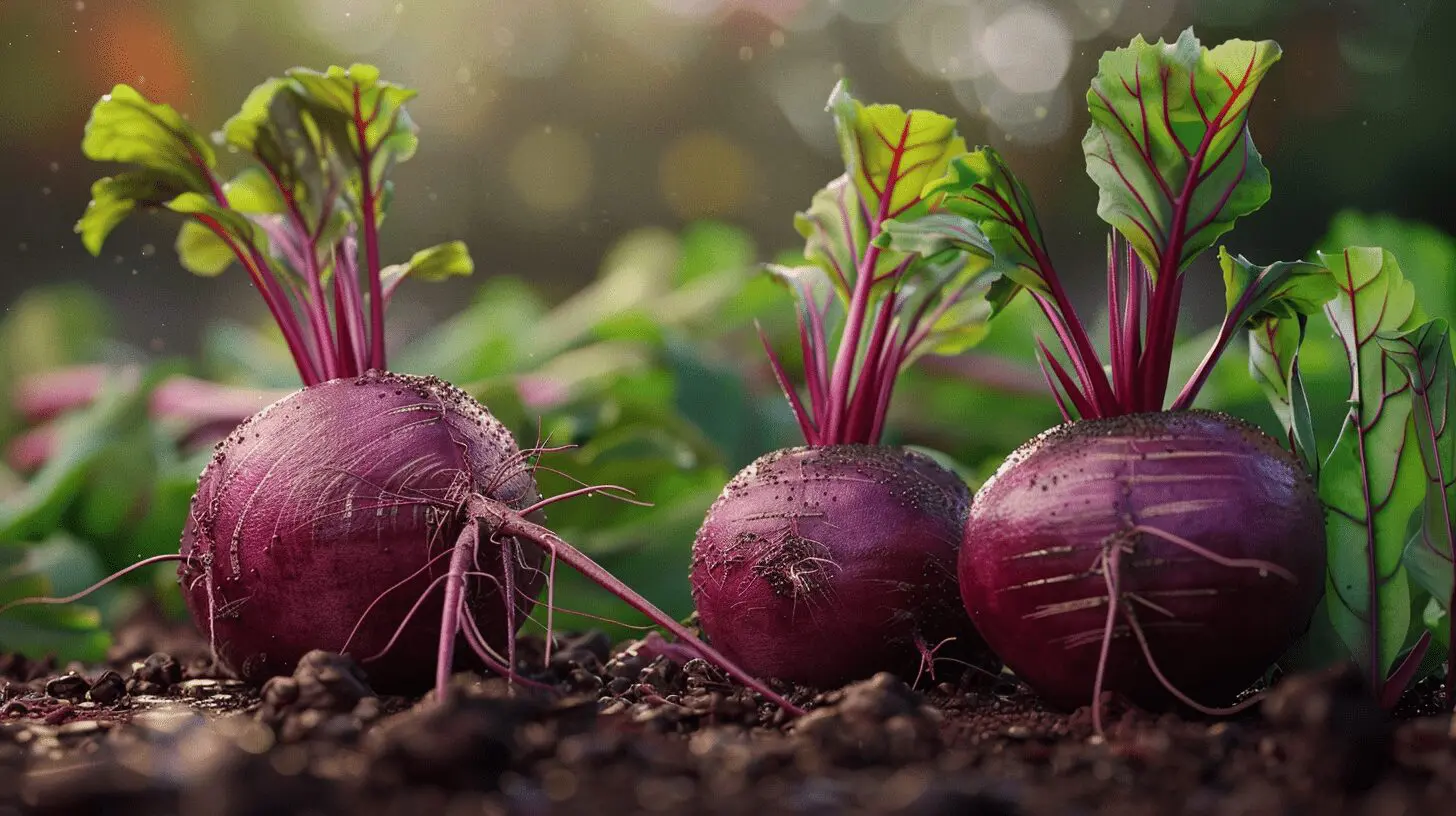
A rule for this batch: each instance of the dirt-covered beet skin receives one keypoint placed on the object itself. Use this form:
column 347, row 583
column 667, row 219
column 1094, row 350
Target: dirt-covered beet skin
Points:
column 823, row 564
column 327, row 499
column 1028, row 567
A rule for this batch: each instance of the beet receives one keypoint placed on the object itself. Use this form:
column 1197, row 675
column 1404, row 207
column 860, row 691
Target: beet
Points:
column 1030, row 567
column 333, row 496
column 824, row 564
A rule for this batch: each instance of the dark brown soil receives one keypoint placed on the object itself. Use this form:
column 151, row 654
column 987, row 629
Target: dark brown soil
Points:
column 630, row 731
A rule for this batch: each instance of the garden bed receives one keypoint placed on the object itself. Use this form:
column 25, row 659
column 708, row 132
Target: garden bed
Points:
column 627, row 732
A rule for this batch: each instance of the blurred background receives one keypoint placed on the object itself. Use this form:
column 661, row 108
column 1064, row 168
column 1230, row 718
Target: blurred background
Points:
column 619, row 169
column 551, row 127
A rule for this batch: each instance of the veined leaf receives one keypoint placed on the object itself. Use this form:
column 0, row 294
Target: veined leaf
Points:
column 1169, row 144
column 981, row 189
column 1373, row 479
column 1274, row 345
column 303, row 172
column 1272, row 302
column 945, row 299
column 934, row 233
column 835, row 230
column 1424, row 354
column 346, row 103
column 1284, row 289
column 810, row 284
column 890, row 153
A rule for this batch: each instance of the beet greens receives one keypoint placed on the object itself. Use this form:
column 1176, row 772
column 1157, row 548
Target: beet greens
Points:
column 1386, row 481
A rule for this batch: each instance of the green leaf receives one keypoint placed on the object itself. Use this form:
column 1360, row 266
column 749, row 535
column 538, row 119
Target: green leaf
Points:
column 1284, row 289
column 447, row 260
column 1274, row 345
column 810, row 284
column 342, row 101
column 835, row 232
column 1424, row 354
column 249, row 129
column 114, row 198
column 1428, row 254
column 890, row 153
column 127, row 127
column 957, row 314
column 170, row 156
column 1373, row 479
column 252, row 192
column 935, row 233
column 1272, row 302
column 302, row 174
column 1169, row 145
column 201, row 251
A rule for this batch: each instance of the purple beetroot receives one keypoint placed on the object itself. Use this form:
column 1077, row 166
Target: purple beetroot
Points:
column 1170, row 504
column 828, row 563
column 302, row 536
column 1161, row 555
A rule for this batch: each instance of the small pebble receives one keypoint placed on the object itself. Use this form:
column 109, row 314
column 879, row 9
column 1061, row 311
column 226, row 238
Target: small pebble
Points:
column 68, row 687
column 108, row 688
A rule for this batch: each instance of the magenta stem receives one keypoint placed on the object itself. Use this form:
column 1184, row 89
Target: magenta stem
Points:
column 371, row 236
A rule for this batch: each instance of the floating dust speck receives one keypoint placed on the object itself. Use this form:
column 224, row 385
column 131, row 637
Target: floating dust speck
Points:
column 148, row 250
column 745, row 53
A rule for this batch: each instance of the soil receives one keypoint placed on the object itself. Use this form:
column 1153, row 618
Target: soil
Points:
column 627, row 730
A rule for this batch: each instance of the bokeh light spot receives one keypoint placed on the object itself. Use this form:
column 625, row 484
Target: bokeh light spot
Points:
column 706, row 175
column 1028, row 48
column 550, row 169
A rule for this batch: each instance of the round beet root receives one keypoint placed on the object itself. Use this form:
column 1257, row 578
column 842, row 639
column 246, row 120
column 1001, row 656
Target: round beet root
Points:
column 329, row 499
column 1118, row 492
column 823, row 565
